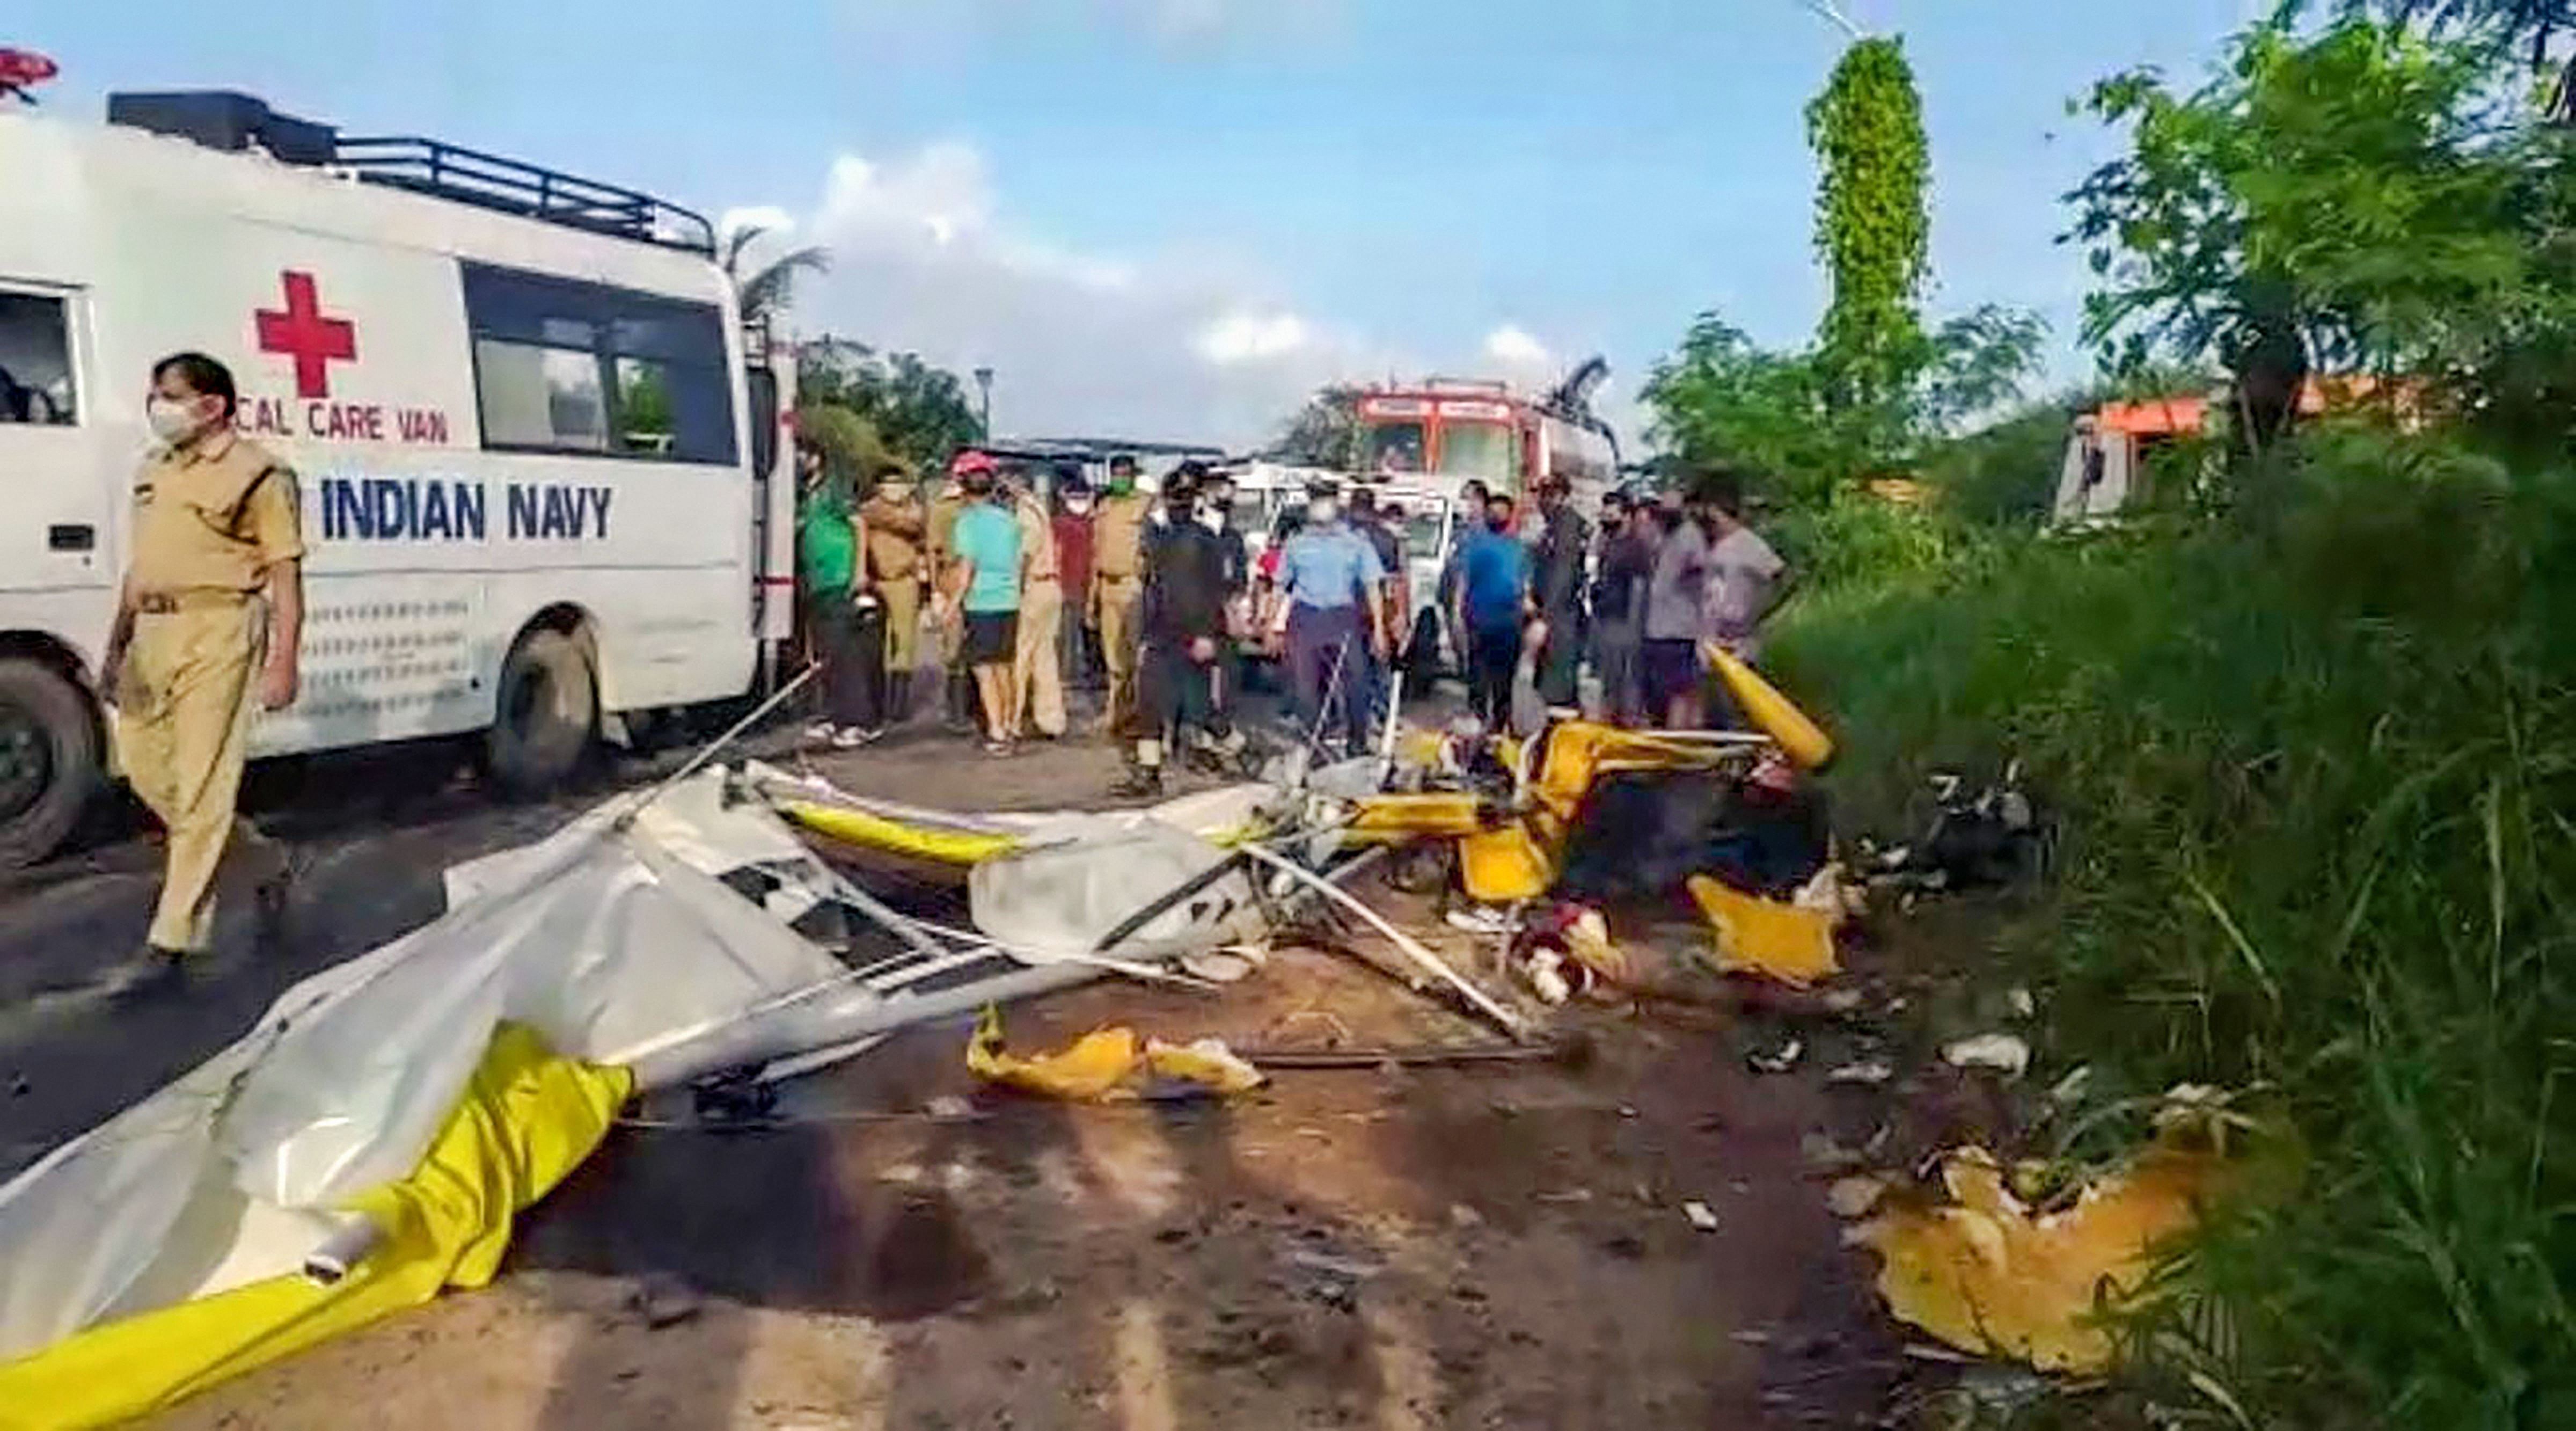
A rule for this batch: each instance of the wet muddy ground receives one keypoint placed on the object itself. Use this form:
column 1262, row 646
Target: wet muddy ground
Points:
column 1489, row 1247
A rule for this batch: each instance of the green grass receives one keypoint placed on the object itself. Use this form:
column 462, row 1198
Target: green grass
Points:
column 2316, row 766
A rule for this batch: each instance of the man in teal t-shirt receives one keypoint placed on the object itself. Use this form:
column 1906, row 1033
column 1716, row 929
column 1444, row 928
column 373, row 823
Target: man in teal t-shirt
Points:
column 984, row 577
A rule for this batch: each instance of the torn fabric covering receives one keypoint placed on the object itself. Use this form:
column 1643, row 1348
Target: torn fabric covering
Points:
column 1985, row 1275
column 1111, row 1065
column 527, row 1118
column 602, row 940
column 1062, row 895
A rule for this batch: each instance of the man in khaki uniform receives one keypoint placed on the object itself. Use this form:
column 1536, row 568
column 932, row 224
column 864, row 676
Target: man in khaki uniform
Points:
column 207, row 625
column 1117, row 585
column 1036, row 674
column 896, row 529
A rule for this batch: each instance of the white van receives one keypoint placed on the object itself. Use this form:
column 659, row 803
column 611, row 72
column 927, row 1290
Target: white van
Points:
column 540, row 461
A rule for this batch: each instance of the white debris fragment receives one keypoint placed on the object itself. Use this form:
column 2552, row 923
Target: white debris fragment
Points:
column 1855, row 1196
column 1864, row 1075
column 1700, row 1216
column 1779, row 1061
column 2008, row 1054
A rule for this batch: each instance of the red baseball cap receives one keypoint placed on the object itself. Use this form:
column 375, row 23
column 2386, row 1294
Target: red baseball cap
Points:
column 970, row 462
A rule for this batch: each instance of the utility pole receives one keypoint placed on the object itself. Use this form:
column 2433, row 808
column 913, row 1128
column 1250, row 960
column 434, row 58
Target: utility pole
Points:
column 984, row 385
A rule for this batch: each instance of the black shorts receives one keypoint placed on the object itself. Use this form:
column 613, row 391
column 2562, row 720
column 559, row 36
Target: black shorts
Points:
column 1671, row 671
column 992, row 638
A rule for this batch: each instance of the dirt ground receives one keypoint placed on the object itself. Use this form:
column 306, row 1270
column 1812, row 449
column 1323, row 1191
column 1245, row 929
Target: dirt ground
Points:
column 1466, row 1247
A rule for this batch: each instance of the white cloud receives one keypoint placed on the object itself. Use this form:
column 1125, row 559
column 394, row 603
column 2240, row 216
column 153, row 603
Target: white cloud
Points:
column 1251, row 337
column 1166, row 345
column 1514, row 347
column 1172, row 344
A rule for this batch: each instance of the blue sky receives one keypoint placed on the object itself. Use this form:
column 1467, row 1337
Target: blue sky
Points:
column 1174, row 217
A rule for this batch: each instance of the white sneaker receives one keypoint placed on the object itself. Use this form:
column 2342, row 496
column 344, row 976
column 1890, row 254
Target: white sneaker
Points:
column 820, row 730
column 849, row 737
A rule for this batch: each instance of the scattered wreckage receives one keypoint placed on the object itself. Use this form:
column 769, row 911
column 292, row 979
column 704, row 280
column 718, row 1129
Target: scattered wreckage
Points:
column 367, row 1143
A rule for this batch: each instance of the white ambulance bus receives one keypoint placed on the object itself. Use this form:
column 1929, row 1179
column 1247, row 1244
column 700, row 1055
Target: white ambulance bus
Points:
column 541, row 464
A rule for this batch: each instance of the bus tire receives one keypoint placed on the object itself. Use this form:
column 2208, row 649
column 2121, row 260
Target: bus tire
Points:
column 545, row 715
column 50, row 760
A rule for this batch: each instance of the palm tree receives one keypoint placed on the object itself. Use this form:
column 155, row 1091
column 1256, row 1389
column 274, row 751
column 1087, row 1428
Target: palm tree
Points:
column 766, row 291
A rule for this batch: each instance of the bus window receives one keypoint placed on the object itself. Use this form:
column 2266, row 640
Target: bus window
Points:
column 538, row 397
column 35, row 361
column 1487, row 451
column 1395, row 447
column 567, row 366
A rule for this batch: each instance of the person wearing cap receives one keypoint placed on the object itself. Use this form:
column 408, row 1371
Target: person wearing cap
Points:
column 896, row 530
column 1184, row 678
column 984, row 572
column 1334, row 587
column 1037, row 675
column 1558, row 559
column 1117, row 585
column 1072, row 528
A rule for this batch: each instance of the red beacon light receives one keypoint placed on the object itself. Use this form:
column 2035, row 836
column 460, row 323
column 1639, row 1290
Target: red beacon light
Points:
column 23, row 70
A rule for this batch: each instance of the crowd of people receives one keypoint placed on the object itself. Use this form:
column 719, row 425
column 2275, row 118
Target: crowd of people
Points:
column 1152, row 598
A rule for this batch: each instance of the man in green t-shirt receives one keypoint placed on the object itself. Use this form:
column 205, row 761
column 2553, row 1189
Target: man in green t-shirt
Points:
column 844, row 621
column 984, row 578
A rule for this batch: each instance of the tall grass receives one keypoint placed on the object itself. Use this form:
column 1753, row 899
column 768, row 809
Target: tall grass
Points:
column 2316, row 766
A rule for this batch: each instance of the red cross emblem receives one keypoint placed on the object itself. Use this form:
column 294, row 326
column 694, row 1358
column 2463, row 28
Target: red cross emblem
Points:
column 304, row 334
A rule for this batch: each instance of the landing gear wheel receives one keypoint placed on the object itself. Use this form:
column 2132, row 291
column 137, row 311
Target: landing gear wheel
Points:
column 546, row 718
column 50, row 755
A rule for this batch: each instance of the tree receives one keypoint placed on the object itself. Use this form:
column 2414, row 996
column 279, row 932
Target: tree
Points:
column 2357, row 198
column 766, row 291
column 919, row 412
column 1873, row 228
column 853, row 453
column 1722, row 398
column 1324, row 433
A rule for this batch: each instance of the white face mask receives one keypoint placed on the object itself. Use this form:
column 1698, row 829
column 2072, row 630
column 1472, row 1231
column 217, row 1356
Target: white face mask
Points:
column 1325, row 511
column 172, row 420
column 1077, row 505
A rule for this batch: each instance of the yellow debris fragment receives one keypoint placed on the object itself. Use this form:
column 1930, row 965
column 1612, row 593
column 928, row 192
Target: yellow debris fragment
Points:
column 1762, row 936
column 1111, row 1065
column 1984, row 1275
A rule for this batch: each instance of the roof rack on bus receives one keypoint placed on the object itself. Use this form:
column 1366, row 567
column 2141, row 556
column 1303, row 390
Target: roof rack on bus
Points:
column 451, row 171
column 233, row 123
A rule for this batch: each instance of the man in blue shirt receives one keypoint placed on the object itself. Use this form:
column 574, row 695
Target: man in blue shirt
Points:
column 1493, row 601
column 1333, row 584
column 985, row 580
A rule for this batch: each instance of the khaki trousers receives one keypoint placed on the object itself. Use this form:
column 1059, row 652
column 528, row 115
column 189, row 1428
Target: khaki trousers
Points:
column 903, row 624
column 1120, row 598
column 184, row 705
column 1037, row 676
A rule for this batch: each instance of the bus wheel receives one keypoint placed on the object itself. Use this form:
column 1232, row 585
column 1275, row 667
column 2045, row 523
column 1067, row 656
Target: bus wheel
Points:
column 49, row 760
column 547, row 715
